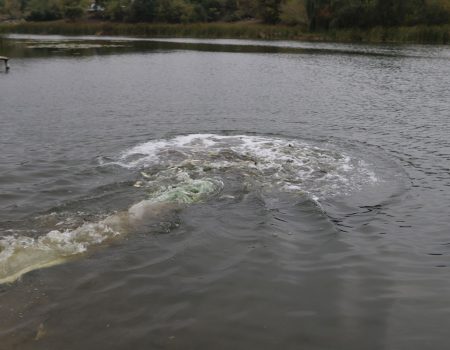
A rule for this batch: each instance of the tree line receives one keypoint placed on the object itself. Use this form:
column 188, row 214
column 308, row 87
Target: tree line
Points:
column 312, row 14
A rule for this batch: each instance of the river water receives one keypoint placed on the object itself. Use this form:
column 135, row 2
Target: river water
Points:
column 223, row 194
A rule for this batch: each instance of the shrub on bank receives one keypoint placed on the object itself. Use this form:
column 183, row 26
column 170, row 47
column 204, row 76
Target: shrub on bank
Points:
column 417, row 34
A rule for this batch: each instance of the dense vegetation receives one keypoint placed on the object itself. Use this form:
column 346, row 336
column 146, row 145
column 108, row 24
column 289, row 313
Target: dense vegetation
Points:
column 311, row 14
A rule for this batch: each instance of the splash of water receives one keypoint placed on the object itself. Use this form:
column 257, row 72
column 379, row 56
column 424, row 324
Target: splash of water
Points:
column 188, row 169
column 288, row 165
column 19, row 255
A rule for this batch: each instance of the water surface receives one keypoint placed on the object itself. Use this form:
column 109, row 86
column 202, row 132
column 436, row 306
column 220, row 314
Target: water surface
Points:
column 223, row 194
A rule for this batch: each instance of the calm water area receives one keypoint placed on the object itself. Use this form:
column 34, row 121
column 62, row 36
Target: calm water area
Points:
column 223, row 194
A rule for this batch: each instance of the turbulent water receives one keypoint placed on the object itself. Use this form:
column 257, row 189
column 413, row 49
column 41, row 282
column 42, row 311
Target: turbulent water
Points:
column 223, row 194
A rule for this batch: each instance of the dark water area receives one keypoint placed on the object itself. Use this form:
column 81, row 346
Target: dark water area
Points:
column 223, row 194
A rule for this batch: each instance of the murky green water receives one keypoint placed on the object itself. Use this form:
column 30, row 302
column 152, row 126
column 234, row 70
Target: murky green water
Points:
column 223, row 194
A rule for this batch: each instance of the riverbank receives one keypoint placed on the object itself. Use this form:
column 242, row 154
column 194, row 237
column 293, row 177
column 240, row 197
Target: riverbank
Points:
column 248, row 30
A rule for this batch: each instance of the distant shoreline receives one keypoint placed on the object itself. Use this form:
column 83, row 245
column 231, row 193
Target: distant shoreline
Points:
column 240, row 30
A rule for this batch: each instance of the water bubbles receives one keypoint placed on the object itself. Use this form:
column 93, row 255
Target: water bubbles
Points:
column 288, row 165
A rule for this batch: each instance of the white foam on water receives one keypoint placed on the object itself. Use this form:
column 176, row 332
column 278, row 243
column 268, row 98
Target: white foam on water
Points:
column 290, row 165
column 188, row 169
column 20, row 254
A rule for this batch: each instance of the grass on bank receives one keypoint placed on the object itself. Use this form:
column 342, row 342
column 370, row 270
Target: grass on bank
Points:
column 199, row 30
column 414, row 35
column 417, row 34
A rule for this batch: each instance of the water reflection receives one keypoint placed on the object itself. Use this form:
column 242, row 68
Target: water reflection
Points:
column 44, row 46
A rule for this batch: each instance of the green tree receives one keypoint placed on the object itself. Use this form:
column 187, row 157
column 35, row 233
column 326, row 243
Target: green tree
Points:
column 213, row 10
column 293, row 12
column 117, row 10
column 175, row 11
column 142, row 11
column 43, row 10
column 12, row 8
column 246, row 9
column 73, row 9
column 269, row 10
column 437, row 12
